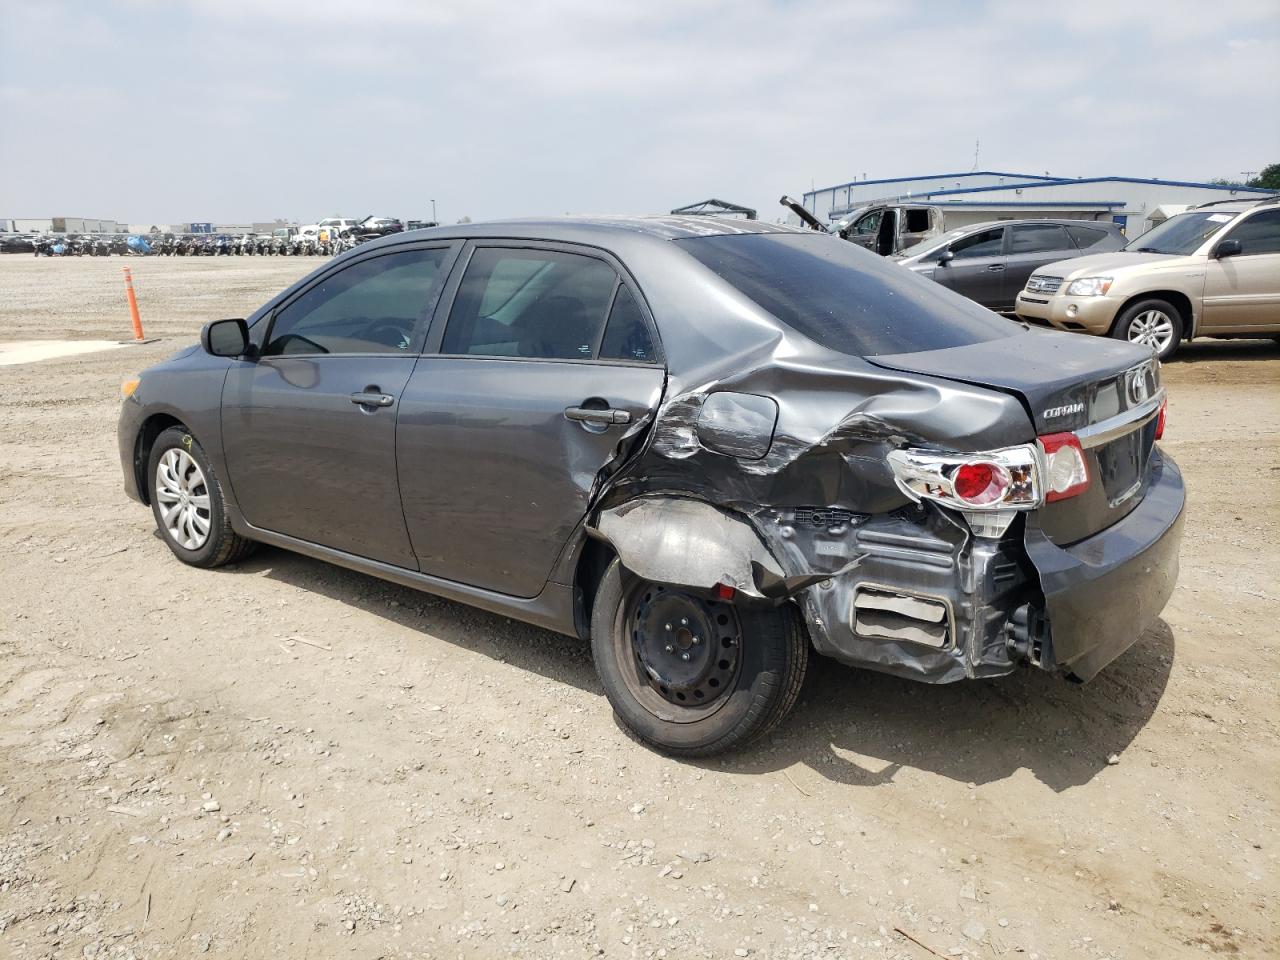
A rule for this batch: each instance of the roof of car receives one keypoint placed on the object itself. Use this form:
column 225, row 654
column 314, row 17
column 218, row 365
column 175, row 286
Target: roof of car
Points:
column 1066, row 222
column 1232, row 206
column 661, row 227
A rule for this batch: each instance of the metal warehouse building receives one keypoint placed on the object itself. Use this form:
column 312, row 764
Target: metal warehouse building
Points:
column 1135, row 203
column 63, row 225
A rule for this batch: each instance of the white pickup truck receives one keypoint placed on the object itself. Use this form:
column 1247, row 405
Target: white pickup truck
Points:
column 332, row 227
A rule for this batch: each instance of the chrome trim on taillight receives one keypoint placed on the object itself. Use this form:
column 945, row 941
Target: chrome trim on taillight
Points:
column 926, row 475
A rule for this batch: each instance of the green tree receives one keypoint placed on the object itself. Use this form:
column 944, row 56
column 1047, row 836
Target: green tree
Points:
column 1268, row 178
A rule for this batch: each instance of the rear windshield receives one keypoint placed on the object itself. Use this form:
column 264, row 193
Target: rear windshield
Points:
column 844, row 297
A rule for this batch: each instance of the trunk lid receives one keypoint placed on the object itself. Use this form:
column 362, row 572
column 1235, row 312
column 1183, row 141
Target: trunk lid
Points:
column 1103, row 390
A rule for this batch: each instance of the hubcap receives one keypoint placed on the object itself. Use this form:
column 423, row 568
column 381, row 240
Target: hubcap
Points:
column 1152, row 328
column 683, row 651
column 183, row 499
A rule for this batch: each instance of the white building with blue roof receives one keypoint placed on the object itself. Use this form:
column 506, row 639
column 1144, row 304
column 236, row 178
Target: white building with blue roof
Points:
column 1135, row 203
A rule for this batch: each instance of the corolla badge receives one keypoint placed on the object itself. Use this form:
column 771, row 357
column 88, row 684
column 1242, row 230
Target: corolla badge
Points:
column 1062, row 411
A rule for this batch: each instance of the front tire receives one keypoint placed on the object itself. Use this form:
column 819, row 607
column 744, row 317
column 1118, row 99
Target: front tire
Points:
column 1152, row 323
column 188, row 503
column 691, row 676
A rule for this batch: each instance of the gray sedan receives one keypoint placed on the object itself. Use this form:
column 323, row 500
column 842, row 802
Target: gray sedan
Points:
column 707, row 447
column 990, row 262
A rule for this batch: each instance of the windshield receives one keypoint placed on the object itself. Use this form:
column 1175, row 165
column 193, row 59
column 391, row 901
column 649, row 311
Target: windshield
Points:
column 844, row 297
column 847, row 219
column 1182, row 234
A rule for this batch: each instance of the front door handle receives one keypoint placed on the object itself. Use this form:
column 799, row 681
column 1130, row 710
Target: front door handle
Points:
column 591, row 415
column 372, row 399
column 995, row 267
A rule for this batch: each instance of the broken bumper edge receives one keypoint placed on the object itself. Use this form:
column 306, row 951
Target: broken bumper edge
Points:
column 1101, row 593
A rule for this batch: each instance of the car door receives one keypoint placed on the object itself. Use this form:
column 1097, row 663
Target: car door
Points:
column 1031, row 246
column 309, row 425
column 865, row 231
column 976, row 266
column 1242, row 291
column 546, row 371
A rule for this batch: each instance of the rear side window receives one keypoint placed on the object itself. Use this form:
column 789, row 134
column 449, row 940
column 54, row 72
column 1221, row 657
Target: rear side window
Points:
column 1039, row 238
column 627, row 336
column 844, row 297
column 538, row 304
column 1259, row 234
column 917, row 220
column 1086, row 237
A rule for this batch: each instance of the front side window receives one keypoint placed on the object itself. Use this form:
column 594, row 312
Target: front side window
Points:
column 868, row 224
column 844, row 297
column 1038, row 238
column 538, row 304
column 1181, row 235
column 1259, row 234
column 373, row 306
column 984, row 243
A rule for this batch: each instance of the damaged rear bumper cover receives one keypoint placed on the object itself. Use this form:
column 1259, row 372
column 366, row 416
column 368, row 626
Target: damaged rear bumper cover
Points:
column 913, row 592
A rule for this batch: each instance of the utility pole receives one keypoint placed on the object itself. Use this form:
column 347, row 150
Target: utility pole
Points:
column 1248, row 175
column 433, row 212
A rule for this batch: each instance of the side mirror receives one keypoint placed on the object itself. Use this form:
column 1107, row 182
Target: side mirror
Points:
column 945, row 257
column 225, row 338
column 1228, row 248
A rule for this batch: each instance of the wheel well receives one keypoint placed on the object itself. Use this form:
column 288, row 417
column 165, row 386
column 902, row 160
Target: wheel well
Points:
column 152, row 427
column 1180, row 301
column 593, row 561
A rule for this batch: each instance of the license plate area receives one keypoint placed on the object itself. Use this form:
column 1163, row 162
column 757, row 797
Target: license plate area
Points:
column 1122, row 463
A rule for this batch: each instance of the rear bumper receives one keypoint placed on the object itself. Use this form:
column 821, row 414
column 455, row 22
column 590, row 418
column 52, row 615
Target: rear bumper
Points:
column 1101, row 593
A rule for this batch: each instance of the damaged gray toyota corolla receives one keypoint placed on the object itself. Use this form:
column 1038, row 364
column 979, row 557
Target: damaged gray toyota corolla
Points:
column 704, row 445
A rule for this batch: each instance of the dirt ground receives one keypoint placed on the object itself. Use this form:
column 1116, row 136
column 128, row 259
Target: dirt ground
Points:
column 286, row 759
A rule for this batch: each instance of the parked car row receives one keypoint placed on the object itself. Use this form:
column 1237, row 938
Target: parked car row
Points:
column 1212, row 271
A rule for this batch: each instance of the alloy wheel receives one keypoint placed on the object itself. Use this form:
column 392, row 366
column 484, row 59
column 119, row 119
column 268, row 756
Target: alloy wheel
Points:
column 183, row 496
column 1151, row 328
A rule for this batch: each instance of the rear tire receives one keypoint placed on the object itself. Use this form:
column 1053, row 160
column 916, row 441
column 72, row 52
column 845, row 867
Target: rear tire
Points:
column 188, row 504
column 1153, row 323
column 755, row 659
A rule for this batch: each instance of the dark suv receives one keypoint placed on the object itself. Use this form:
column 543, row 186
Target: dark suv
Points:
column 990, row 262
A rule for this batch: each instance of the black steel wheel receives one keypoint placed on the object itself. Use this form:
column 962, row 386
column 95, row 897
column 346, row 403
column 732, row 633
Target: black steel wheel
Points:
column 691, row 675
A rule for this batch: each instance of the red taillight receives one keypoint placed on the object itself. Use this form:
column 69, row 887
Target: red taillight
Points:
column 980, row 482
column 725, row 592
column 1066, row 470
column 1164, row 408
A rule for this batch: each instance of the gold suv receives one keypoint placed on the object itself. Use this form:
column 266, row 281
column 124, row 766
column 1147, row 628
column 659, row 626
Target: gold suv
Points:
column 1213, row 271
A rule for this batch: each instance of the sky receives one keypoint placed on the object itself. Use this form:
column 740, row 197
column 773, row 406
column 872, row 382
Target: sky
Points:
column 237, row 110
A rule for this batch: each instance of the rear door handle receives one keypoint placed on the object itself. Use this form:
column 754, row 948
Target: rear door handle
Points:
column 370, row 399
column 591, row 415
column 995, row 267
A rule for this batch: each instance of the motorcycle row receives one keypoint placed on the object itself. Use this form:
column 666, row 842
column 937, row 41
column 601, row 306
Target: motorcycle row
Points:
column 173, row 245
